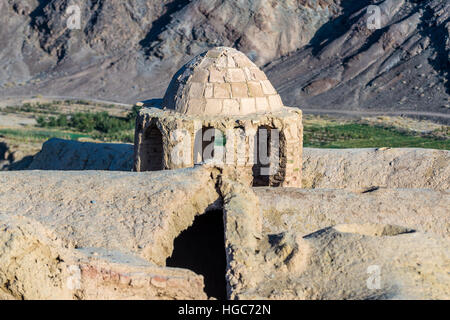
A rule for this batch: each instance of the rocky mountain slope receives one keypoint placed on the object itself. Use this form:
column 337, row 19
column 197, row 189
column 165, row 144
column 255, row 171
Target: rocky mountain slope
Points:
column 403, row 66
column 319, row 53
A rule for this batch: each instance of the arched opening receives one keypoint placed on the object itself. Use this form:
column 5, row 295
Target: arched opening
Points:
column 208, row 142
column 267, row 170
column 212, row 144
column 152, row 154
column 201, row 248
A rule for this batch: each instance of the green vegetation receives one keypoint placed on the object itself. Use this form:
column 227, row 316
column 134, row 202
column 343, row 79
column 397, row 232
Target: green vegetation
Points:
column 52, row 107
column 81, row 102
column 99, row 125
column 85, row 103
column 74, row 119
column 47, row 108
column 39, row 135
column 360, row 135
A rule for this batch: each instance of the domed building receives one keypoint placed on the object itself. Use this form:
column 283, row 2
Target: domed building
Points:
column 220, row 108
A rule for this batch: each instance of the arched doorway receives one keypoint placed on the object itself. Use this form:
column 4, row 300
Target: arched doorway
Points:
column 201, row 248
column 152, row 154
column 267, row 170
column 213, row 144
column 208, row 143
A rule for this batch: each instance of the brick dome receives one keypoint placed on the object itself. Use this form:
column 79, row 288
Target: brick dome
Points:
column 221, row 81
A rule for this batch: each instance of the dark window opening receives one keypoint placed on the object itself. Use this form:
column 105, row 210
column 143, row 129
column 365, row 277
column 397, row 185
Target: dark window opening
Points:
column 208, row 143
column 201, row 248
column 262, row 152
column 152, row 150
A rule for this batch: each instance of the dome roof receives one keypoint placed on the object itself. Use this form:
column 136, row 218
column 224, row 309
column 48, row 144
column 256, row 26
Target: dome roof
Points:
column 221, row 81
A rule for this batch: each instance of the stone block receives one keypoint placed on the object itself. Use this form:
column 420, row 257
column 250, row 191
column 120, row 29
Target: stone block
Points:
column 248, row 74
column 257, row 74
column 216, row 75
column 222, row 90
column 196, row 90
column 209, row 90
column 200, row 75
column 255, row 89
column 248, row 105
column 221, row 62
column 230, row 62
column 239, row 90
column 262, row 105
column 213, row 106
column 214, row 54
column 242, row 62
column 197, row 105
column 267, row 87
column 230, row 106
column 275, row 102
column 235, row 75
column 206, row 63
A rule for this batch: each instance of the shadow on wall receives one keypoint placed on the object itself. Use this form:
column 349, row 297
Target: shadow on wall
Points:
column 153, row 103
column 153, row 155
column 201, row 248
column 59, row 154
column 7, row 160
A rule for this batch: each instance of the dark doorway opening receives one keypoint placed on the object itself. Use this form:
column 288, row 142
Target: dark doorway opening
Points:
column 208, row 143
column 201, row 248
column 262, row 157
column 270, row 164
column 152, row 150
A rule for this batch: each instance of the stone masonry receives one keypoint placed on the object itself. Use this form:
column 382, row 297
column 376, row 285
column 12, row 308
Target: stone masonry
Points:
column 221, row 107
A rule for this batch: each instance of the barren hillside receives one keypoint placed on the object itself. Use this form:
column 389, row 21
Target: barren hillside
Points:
column 319, row 53
column 401, row 67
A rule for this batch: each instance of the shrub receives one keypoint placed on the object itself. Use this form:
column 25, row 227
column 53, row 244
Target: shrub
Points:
column 101, row 124
column 133, row 113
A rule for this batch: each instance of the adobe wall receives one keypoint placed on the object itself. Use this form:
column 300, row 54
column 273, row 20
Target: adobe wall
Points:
column 171, row 125
column 272, row 247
